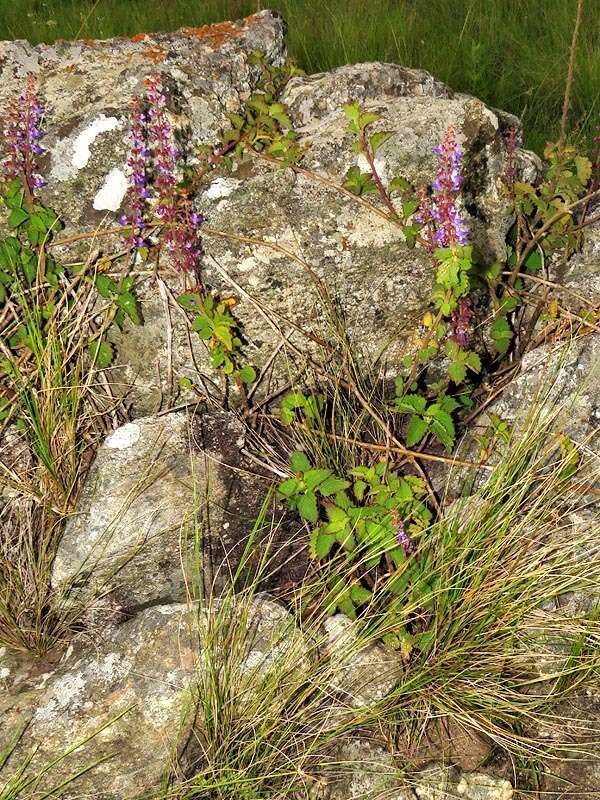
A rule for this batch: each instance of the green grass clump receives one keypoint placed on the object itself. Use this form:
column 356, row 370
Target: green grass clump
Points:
column 265, row 728
column 512, row 55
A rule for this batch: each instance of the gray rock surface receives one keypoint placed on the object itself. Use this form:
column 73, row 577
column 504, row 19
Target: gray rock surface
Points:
column 159, row 486
column 366, row 770
column 146, row 669
column 379, row 283
column 559, row 379
column 363, row 675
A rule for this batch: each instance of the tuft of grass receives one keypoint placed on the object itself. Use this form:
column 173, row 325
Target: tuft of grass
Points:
column 513, row 56
column 56, row 419
column 273, row 726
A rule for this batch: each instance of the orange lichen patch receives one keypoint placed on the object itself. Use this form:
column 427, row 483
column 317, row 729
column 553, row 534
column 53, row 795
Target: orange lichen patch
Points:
column 156, row 54
column 139, row 37
column 214, row 35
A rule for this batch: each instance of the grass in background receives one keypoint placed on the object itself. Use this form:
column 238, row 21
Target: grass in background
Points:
column 513, row 55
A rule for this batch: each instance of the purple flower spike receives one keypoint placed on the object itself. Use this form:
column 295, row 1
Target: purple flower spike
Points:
column 153, row 163
column 21, row 133
column 450, row 228
column 138, row 192
column 402, row 537
column 460, row 323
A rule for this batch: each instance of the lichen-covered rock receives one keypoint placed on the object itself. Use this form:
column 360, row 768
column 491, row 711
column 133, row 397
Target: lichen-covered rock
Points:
column 560, row 379
column 380, row 285
column 144, row 675
column 363, row 675
column 440, row 782
column 581, row 274
column 86, row 87
column 158, row 487
column 276, row 236
column 363, row 768
column 142, row 670
column 565, row 379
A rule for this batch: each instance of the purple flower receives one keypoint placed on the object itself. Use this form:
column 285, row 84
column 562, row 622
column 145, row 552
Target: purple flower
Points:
column 402, row 537
column 153, row 161
column 21, row 133
column 449, row 226
column 460, row 323
column 138, row 192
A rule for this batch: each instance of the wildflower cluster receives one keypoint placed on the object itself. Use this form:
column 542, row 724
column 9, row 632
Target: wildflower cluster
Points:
column 153, row 161
column 138, row 192
column 450, row 228
column 442, row 223
column 21, row 135
column 402, row 538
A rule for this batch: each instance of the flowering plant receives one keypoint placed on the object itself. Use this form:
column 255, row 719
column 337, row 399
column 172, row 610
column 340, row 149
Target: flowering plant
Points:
column 154, row 186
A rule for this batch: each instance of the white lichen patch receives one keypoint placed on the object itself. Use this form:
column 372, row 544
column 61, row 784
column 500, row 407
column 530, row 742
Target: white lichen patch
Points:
column 380, row 166
column 365, row 230
column 113, row 190
column 125, row 436
column 73, row 153
column 66, row 697
column 112, row 667
column 83, row 142
column 221, row 187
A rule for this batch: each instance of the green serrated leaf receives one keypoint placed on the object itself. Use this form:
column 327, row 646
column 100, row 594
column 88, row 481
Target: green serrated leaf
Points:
column 473, row 362
column 411, row 403
column 417, row 428
column 129, row 304
column 101, row 353
column 457, row 371
column 299, row 462
column 501, row 334
column 17, row 217
column 332, row 485
column 359, row 595
column 247, row 374
column 289, row 487
column 378, row 138
column 307, row 507
column 313, row 477
column 320, row 544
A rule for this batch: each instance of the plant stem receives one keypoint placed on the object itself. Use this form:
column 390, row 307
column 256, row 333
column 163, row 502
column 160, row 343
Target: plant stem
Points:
column 570, row 75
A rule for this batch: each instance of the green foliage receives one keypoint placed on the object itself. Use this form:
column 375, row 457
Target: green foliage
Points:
column 428, row 418
column 363, row 183
column 461, row 361
column 358, row 517
column 452, row 277
column 263, row 123
column 359, row 182
column 122, row 294
column 36, row 221
column 215, row 325
column 296, row 404
column 567, row 178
